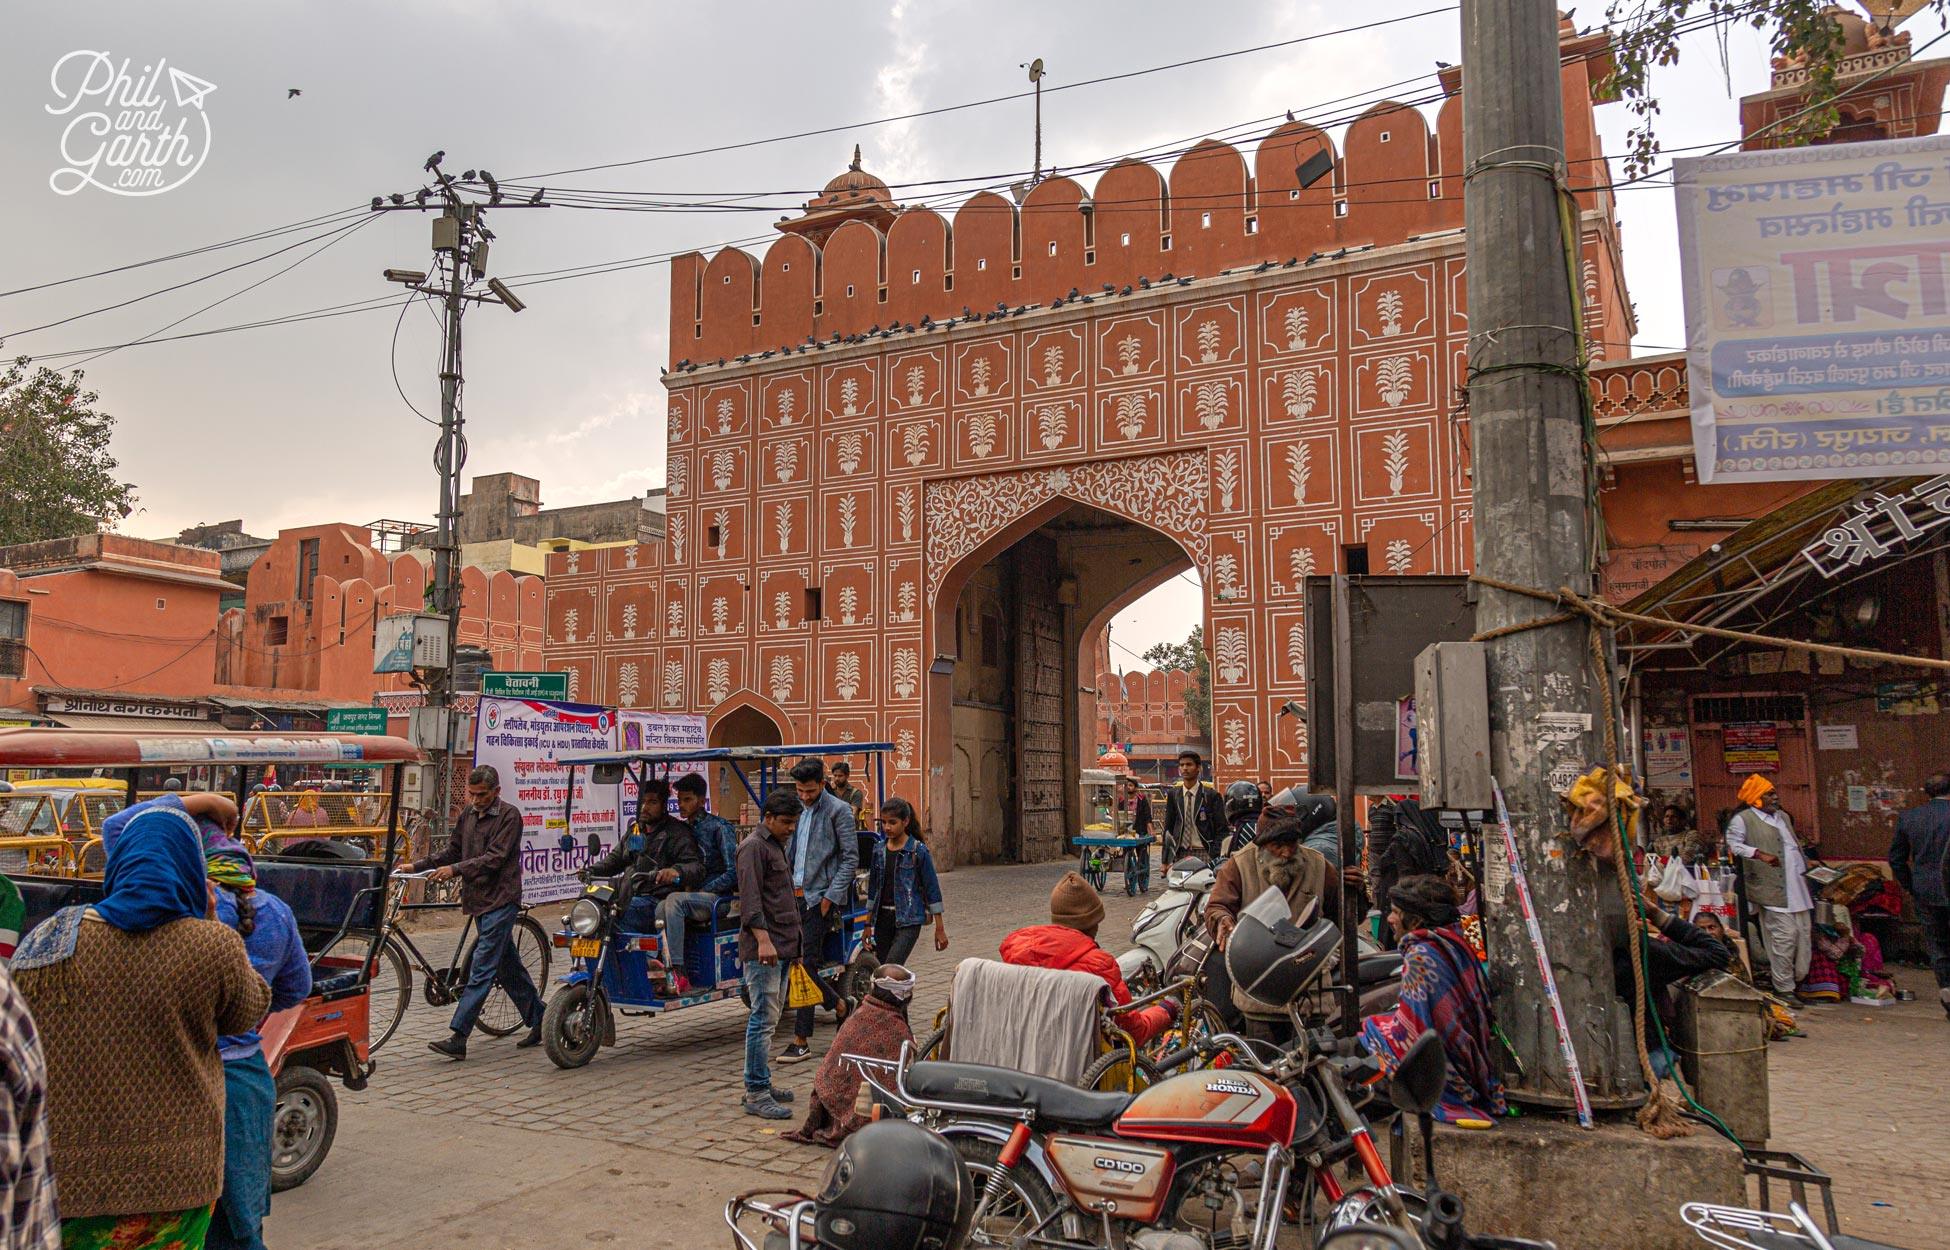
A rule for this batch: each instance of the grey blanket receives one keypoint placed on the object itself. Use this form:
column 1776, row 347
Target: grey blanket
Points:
column 1037, row 1020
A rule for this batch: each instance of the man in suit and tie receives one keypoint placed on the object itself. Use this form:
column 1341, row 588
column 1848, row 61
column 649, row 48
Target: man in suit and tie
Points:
column 1195, row 818
column 1916, row 857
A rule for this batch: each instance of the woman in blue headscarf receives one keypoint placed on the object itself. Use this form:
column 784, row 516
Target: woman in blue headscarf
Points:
column 131, row 995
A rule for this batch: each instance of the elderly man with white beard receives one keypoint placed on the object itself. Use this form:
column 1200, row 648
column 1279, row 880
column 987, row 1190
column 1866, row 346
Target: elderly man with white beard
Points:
column 1274, row 860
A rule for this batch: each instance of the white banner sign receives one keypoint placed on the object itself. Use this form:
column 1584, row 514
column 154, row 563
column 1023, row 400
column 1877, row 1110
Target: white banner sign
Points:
column 522, row 738
column 1818, row 310
column 654, row 731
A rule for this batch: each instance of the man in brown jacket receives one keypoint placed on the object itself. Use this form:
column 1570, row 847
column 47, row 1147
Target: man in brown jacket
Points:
column 1274, row 860
column 484, row 851
column 768, row 942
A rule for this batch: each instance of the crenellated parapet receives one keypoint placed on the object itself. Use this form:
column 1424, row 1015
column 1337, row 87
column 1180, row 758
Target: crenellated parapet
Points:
column 847, row 271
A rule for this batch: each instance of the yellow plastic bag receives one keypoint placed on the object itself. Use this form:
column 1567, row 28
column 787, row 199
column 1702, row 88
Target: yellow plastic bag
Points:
column 800, row 988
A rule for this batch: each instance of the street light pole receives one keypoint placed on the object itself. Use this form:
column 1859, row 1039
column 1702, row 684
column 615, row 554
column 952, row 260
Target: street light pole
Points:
column 1533, row 526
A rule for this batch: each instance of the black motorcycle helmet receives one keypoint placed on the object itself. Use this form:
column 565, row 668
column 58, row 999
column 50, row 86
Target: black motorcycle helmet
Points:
column 1271, row 958
column 1243, row 801
column 895, row 1186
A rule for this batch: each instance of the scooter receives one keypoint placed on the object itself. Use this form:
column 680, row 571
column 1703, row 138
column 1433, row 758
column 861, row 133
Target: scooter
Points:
column 1167, row 923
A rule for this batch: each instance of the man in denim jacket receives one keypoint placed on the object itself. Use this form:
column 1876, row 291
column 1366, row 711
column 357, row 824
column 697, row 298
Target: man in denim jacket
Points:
column 824, row 854
column 717, row 840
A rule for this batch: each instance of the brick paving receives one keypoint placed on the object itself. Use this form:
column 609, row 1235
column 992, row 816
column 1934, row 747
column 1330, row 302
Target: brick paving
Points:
column 676, row 1081
column 1862, row 1096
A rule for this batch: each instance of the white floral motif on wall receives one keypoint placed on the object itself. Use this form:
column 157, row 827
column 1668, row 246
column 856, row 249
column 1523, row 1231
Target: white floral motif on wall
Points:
column 574, row 563
column 1301, row 563
column 721, row 469
column 721, row 522
column 904, row 749
column 679, row 478
column 1394, row 451
column 1295, row 322
column 979, row 373
column 1388, row 306
column 1168, row 492
column 1393, row 376
column 1212, row 403
column 575, row 684
column 674, row 531
column 981, row 435
column 1234, row 740
column 782, row 610
column 1230, row 656
column 787, row 402
column 676, row 615
column 782, row 526
column 849, row 510
column 846, row 675
column 626, row 684
column 1129, row 415
column 1052, row 366
column 1225, row 476
column 907, row 672
column 1299, row 468
column 850, row 397
column 782, row 678
column 904, row 512
column 629, row 620
column 1296, row 650
column 785, row 461
column 1053, row 422
column 1297, row 392
column 1399, row 555
column 673, row 683
column 717, row 681
column 914, row 443
column 1129, row 352
column 849, row 599
column 917, row 378
column 724, row 416
column 1208, row 341
column 848, row 451
column 570, row 619
column 720, row 612
column 904, row 600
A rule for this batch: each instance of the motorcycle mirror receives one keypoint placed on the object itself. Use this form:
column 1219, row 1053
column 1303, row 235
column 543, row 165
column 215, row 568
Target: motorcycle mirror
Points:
column 605, row 774
column 1416, row 1086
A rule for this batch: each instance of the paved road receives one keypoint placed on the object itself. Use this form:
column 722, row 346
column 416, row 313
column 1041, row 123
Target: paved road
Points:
column 646, row 1143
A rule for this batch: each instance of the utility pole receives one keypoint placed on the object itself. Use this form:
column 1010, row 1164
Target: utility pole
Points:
column 460, row 247
column 1533, row 528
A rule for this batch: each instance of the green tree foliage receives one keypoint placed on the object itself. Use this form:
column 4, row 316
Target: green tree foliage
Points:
column 56, row 476
column 1189, row 656
column 1647, row 35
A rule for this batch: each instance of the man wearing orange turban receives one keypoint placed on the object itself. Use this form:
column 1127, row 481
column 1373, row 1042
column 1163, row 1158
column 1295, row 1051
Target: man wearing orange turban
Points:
column 1775, row 871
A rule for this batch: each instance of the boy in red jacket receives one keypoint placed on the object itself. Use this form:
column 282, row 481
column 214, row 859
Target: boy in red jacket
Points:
column 1069, row 942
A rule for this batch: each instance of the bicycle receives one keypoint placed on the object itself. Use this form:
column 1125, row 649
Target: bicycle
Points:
column 392, row 973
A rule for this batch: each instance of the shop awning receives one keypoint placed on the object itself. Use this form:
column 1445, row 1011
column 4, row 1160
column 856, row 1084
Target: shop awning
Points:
column 1743, row 581
column 132, row 724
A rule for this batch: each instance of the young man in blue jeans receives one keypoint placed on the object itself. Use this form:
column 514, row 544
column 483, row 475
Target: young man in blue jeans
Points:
column 768, row 942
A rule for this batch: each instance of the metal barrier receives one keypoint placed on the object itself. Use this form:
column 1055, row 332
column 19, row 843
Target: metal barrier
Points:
column 316, row 813
column 47, row 855
column 27, row 814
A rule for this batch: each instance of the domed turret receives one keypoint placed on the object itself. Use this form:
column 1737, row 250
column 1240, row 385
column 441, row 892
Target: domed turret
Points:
column 855, row 195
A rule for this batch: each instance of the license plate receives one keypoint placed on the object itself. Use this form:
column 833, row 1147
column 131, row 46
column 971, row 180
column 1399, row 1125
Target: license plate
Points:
column 585, row 948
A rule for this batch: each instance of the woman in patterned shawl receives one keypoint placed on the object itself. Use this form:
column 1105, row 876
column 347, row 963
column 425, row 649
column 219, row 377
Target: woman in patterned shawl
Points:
column 877, row 1030
column 1442, row 990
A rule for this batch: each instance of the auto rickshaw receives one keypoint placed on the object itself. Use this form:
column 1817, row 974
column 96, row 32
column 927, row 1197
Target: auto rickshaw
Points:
column 610, row 968
column 326, row 1035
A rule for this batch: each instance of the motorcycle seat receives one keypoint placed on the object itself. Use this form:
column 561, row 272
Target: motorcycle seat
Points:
column 1380, row 967
column 1005, row 1089
column 1793, row 1241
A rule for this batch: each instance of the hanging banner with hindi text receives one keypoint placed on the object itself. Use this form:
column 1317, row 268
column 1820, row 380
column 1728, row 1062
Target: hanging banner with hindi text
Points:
column 1817, row 286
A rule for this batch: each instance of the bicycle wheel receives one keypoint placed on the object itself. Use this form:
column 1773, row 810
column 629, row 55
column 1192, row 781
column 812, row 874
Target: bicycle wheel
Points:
column 392, row 983
column 1115, row 1074
column 499, row 1016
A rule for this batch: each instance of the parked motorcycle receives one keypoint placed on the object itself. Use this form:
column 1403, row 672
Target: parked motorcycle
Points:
column 1167, row 1169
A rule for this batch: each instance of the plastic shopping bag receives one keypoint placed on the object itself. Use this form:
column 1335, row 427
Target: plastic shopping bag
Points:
column 801, row 990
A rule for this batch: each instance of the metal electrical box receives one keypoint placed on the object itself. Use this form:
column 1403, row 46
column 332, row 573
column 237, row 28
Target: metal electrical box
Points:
column 1452, row 725
column 409, row 640
column 427, row 727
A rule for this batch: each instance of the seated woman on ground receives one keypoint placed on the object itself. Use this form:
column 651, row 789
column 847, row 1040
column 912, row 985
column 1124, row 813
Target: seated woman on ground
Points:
column 1442, row 991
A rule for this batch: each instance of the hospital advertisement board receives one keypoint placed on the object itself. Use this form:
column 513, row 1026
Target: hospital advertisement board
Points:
column 1817, row 295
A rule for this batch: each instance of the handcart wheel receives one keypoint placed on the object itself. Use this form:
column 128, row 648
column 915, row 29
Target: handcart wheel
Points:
column 1143, row 854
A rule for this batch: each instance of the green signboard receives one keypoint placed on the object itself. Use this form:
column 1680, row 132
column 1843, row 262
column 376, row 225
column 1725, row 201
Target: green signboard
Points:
column 525, row 686
column 356, row 720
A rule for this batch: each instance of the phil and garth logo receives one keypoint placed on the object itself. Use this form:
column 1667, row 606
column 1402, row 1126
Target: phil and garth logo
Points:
column 124, row 135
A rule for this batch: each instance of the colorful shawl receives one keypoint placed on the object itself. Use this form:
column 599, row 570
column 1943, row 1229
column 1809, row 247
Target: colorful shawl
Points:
column 1443, row 990
column 875, row 1031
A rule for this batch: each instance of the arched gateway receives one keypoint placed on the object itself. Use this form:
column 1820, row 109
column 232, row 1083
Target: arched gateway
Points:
column 911, row 459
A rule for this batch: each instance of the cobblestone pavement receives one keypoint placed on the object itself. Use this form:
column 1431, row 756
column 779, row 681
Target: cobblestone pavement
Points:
column 498, row 1149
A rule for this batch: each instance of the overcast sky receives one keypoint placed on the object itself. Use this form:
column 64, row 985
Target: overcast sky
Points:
column 301, row 424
